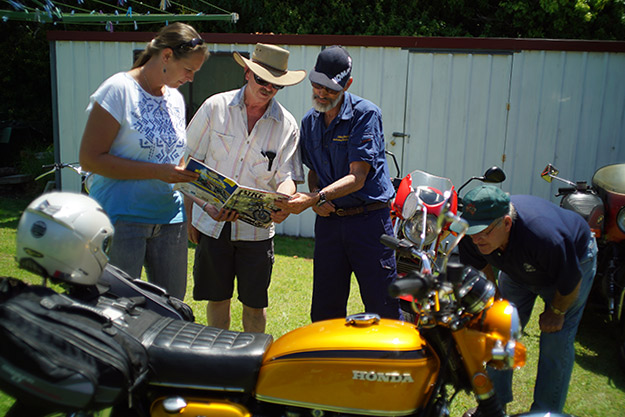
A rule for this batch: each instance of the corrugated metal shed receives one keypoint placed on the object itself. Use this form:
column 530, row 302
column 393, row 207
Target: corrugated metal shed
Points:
column 456, row 106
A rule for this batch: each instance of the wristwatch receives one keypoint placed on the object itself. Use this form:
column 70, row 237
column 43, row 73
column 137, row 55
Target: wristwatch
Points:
column 322, row 198
column 555, row 310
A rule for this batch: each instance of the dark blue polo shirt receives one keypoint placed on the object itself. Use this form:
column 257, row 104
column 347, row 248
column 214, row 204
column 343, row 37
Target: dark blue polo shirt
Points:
column 545, row 248
column 355, row 134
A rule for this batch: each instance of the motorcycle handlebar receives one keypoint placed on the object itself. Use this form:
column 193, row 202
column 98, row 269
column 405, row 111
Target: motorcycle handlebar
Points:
column 566, row 190
column 401, row 246
column 413, row 284
column 390, row 241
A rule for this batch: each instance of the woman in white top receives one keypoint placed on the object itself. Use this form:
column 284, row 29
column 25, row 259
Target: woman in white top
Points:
column 134, row 142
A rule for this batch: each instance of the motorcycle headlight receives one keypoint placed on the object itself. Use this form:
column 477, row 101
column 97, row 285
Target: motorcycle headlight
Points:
column 620, row 219
column 413, row 228
column 476, row 291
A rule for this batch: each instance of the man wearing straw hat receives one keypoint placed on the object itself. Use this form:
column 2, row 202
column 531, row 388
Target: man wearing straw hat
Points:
column 246, row 135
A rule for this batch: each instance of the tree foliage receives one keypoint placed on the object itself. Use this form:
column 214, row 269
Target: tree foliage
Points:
column 570, row 19
column 25, row 74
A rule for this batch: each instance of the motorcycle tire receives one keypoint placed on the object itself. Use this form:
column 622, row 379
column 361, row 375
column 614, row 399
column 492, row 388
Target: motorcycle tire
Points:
column 620, row 314
column 621, row 339
column 621, row 342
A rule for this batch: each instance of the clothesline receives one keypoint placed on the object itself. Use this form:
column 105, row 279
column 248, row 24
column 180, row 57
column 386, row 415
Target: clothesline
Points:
column 50, row 12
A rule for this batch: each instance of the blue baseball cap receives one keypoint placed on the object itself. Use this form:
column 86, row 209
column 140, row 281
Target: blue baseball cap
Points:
column 481, row 206
column 333, row 68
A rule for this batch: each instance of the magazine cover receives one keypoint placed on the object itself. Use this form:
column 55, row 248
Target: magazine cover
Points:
column 253, row 205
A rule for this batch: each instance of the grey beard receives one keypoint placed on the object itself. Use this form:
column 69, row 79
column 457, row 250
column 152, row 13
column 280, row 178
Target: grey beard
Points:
column 322, row 108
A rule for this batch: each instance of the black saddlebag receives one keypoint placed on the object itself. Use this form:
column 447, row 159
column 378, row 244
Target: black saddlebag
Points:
column 117, row 283
column 65, row 355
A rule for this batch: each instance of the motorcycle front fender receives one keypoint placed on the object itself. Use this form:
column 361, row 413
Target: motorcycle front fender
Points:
column 542, row 414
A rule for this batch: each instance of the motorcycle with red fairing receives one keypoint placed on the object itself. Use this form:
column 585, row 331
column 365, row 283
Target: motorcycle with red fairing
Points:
column 420, row 198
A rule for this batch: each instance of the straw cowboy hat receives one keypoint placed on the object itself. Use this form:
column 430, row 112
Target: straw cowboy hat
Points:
column 270, row 62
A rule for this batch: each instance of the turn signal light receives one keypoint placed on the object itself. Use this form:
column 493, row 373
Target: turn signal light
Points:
column 520, row 355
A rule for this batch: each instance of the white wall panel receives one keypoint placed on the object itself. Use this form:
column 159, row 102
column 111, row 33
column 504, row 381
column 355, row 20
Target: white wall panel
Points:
column 567, row 108
column 456, row 113
column 81, row 68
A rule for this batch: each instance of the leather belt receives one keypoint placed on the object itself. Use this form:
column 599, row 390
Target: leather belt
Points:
column 353, row 211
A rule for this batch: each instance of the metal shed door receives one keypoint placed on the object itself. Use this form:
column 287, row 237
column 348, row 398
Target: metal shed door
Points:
column 218, row 74
column 456, row 110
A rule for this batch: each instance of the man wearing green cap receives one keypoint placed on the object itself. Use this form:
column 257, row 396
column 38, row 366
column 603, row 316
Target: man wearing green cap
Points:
column 540, row 250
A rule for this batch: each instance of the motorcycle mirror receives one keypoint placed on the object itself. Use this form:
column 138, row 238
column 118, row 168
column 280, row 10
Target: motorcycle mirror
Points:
column 549, row 172
column 392, row 155
column 494, row 175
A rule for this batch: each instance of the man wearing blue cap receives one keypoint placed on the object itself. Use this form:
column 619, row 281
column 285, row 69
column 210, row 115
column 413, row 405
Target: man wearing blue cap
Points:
column 342, row 143
column 541, row 250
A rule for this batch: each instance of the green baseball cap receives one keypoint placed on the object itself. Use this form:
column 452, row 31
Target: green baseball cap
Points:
column 481, row 206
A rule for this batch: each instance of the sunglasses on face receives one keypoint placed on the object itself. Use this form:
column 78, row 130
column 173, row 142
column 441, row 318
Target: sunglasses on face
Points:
column 328, row 91
column 191, row 44
column 264, row 83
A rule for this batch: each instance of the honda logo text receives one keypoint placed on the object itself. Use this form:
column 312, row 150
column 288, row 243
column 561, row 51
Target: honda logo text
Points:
column 394, row 377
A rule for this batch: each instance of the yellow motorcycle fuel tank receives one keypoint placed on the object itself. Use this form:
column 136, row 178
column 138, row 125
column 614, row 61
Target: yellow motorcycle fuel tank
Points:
column 194, row 407
column 361, row 365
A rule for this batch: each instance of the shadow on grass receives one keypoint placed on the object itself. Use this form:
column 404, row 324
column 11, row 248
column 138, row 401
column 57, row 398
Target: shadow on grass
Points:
column 13, row 204
column 600, row 349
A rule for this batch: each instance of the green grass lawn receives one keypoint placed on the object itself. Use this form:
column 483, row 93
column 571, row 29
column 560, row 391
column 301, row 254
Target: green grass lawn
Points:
column 597, row 387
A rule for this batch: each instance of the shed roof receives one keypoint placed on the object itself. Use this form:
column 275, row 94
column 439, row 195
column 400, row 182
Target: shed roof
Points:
column 456, row 44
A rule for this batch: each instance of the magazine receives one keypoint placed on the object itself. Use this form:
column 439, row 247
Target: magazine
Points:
column 253, row 205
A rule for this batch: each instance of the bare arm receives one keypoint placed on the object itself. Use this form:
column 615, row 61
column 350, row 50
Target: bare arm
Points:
column 348, row 184
column 286, row 187
column 194, row 234
column 100, row 132
column 490, row 274
column 313, row 182
column 551, row 321
column 222, row 215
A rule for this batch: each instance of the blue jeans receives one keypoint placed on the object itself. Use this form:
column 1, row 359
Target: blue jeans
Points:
column 161, row 248
column 557, row 351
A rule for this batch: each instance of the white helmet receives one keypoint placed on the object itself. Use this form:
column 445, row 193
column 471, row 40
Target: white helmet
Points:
column 64, row 236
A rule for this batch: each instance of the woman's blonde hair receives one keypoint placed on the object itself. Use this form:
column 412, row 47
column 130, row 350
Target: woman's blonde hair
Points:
column 181, row 38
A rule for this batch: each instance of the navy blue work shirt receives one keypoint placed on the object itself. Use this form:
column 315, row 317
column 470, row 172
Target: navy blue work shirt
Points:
column 546, row 245
column 355, row 134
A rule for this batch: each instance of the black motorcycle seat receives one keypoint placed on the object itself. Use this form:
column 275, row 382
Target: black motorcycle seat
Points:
column 184, row 354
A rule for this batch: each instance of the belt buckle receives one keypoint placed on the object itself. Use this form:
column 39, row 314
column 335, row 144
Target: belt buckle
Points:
column 339, row 212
